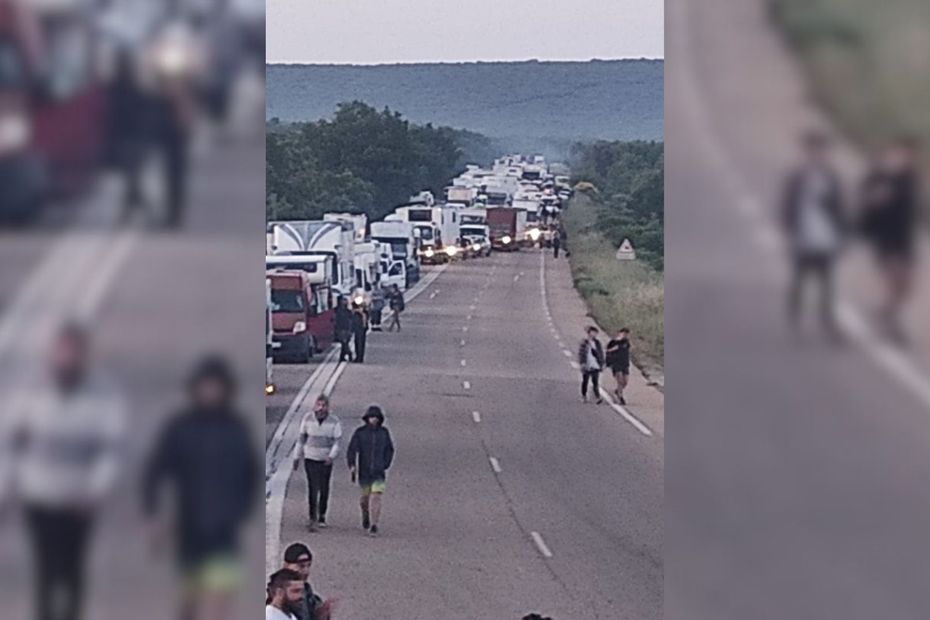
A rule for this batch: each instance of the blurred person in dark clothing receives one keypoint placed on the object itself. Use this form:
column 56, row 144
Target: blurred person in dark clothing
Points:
column 298, row 558
column 129, row 131
column 66, row 439
column 397, row 305
column 618, row 360
column 814, row 223
column 175, row 111
column 556, row 244
column 343, row 327
column 205, row 456
column 889, row 219
column 377, row 308
column 359, row 331
column 369, row 456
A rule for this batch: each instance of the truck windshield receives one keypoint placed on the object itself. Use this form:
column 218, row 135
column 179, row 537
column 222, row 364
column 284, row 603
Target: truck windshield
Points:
column 471, row 231
column 497, row 199
column 309, row 267
column 286, row 300
column 426, row 232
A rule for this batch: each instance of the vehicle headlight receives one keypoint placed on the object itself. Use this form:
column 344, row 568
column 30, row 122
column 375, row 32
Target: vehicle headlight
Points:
column 534, row 234
column 506, row 239
column 300, row 327
column 15, row 131
column 359, row 300
column 428, row 253
column 451, row 250
column 269, row 389
column 476, row 247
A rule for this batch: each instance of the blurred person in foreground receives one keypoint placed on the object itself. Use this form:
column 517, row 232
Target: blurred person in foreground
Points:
column 65, row 439
column 205, row 455
column 889, row 220
column 285, row 595
column 298, row 558
column 369, row 456
column 319, row 447
column 814, row 223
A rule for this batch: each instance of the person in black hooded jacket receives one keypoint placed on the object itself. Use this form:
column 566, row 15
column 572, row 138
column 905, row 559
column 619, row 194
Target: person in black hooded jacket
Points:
column 370, row 454
column 205, row 455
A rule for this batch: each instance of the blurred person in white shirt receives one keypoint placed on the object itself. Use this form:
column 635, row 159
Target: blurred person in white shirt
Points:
column 64, row 439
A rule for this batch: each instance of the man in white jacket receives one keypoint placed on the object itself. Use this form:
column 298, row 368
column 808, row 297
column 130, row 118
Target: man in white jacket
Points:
column 63, row 439
column 319, row 445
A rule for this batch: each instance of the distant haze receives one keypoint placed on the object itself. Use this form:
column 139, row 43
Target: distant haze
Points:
column 523, row 105
column 403, row 31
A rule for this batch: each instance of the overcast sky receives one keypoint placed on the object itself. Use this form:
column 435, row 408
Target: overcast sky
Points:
column 388, row 31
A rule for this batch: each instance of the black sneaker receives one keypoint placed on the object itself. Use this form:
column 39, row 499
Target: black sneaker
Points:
column 373, row 531
column 622, row 400
column 365, row 522
column 321, row 523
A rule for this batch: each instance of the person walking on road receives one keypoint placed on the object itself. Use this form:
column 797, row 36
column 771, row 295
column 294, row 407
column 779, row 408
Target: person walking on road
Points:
column 591, row 361
column 618, row 360
column 343, row 327
column 205, row 455
column 397, row 304
column 285, row 595
column 556, row 244
column 889, row 221
column 359, row 331
column 319, row 442
column 814, row 224
column 369, row 456
column 298, row 558
column 377, row 308
column 64, row 441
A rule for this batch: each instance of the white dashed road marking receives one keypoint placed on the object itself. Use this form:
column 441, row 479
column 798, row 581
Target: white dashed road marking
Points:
column 495, row 465
column 541, row 545
column 476, row 417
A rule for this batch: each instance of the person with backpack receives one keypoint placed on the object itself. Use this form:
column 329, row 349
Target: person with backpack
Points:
column 396, row 301
column 370, row 454
column 591, row 361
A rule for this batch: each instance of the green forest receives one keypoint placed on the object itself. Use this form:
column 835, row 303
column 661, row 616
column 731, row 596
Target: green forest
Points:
column 363, row 160
column 628, row 190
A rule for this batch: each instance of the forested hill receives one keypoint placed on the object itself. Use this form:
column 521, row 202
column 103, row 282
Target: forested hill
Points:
column 524, row 103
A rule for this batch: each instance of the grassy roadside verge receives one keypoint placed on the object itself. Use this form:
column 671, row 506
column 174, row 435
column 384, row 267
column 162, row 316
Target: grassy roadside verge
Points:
column 617, row 293
column 866, row 62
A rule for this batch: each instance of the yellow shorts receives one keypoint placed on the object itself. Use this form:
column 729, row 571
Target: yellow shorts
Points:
column 219, row 574
column 373, row 487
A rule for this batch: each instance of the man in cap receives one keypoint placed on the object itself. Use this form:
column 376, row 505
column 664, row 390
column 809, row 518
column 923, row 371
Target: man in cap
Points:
column 298, row 558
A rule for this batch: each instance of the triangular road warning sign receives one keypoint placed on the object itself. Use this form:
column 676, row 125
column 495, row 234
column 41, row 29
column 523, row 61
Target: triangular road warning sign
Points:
column 626, row 251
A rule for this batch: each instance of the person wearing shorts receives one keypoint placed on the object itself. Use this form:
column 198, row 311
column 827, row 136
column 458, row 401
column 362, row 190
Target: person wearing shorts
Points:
column 369, row 456
column 618, row 360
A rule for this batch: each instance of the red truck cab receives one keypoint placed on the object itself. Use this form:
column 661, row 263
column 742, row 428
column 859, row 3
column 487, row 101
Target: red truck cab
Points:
column 52, row 107
column 301, row 315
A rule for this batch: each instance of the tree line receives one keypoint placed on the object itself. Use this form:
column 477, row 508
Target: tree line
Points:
column 362, row 160
column 627, row 184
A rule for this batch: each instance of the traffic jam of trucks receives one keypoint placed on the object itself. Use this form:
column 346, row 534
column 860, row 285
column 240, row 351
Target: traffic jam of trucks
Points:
column 309, row 264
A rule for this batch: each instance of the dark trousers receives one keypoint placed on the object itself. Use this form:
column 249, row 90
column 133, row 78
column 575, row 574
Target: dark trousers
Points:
column 360, row 338
column 376, row 318
column 59, row 540
column 345, row 352
column 819, row 268
column 555, row 250
column 594, row 377
column 395, row 321
column 318, row 476
column 175, row 158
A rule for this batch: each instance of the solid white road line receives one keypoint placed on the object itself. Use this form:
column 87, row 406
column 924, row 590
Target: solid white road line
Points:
column 495, row 465
column 629, row 417
column 476, row 417
column 541, row 545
